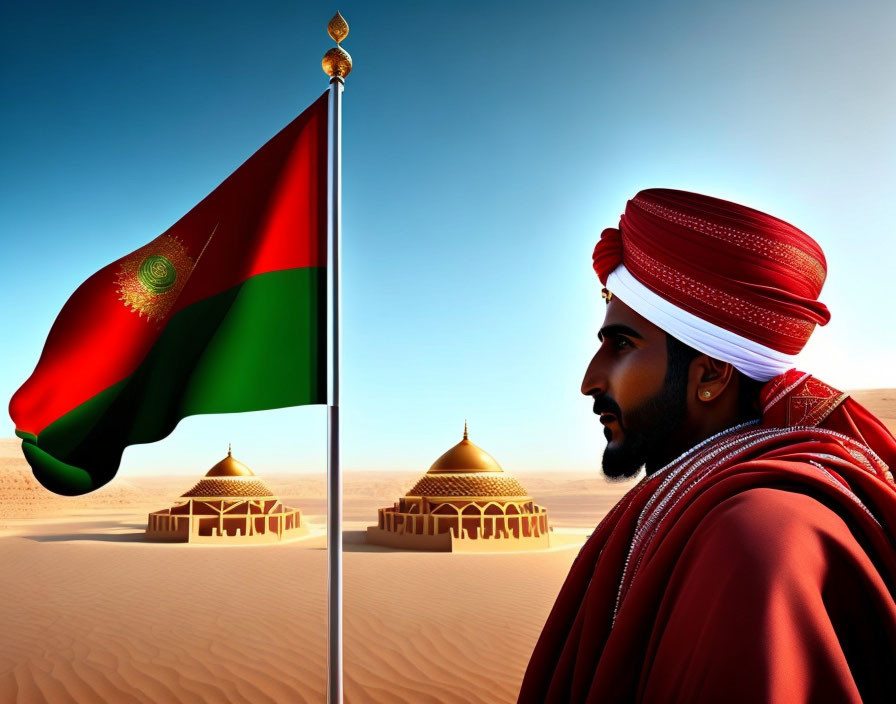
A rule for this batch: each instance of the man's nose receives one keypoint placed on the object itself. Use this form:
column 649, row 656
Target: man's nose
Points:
column 595, row 382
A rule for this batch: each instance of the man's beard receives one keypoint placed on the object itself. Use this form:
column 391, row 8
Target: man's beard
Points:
column 647, row 429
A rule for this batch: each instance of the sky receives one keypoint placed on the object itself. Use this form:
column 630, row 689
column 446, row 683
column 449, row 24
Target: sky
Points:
column 485, row 147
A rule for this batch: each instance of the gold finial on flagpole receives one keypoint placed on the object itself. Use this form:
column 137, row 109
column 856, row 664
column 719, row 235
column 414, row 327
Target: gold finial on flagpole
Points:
column 337, row 62
column 338, row 27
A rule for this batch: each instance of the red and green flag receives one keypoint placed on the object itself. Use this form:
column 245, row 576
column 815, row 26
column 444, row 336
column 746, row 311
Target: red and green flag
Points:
column 224, row 312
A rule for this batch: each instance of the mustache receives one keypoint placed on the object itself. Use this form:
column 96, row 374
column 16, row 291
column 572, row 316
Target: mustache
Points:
column 605, row 404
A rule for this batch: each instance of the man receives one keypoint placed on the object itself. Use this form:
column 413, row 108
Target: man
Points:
column 755, row 562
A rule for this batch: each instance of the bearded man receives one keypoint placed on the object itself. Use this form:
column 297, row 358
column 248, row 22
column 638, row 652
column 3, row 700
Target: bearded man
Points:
column 755, row 562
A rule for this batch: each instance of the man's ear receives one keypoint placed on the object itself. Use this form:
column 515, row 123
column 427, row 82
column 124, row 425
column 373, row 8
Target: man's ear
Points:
column 709, row 377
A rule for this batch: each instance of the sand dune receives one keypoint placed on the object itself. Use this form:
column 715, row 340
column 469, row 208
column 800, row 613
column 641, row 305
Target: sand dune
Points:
column 881, row 402
column 91, row 613
column 90, row 617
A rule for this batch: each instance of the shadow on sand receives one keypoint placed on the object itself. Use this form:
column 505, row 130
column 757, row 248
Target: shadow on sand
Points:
column 103, row 537
column 354, row 541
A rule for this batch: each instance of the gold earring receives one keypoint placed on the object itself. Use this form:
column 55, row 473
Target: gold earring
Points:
column 706, row 394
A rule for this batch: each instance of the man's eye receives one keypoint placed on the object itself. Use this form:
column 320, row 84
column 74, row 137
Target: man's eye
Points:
column 621, row 343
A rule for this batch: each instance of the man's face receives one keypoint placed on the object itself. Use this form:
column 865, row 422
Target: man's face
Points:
column 641, row 405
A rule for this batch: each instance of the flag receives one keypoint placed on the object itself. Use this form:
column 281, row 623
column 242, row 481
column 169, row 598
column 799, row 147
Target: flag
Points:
column 224, row 312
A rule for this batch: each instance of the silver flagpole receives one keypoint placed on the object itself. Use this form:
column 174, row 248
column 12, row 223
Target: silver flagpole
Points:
column 337, row 64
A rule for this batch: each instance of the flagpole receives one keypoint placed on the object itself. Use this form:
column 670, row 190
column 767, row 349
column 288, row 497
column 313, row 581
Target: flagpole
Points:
column 337, row 64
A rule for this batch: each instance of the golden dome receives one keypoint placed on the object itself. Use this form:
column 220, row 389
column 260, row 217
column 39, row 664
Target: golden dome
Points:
column 465, row 457
column 236, row 487
column 229, row 467
column 479, row 484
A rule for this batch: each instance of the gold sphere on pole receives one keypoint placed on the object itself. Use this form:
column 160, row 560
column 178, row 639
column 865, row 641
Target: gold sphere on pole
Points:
column 337, row 62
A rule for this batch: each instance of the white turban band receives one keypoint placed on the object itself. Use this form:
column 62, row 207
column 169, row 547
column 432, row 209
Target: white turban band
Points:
column 755, row 360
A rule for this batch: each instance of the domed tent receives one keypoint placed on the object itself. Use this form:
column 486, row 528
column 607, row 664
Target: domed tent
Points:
column 230, row 505
column 464, row 502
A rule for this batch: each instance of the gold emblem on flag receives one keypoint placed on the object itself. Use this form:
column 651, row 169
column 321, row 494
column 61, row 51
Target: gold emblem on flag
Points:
column 151, row 278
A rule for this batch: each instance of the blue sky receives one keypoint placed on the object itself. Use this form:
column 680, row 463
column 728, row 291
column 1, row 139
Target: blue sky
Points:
column 486, row 145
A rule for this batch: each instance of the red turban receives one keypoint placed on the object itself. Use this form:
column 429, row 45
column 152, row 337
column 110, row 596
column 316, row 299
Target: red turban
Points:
column 733, row 267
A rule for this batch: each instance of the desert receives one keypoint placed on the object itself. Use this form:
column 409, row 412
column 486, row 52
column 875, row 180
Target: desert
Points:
column 92, row 612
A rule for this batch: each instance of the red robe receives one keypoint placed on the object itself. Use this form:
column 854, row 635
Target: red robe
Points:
column 760, row 567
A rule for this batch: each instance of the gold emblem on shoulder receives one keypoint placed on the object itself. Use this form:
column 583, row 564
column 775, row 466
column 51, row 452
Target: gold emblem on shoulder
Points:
column 151, row 278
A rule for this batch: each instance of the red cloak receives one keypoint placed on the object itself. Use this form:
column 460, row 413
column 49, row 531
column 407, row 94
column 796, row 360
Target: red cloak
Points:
column 758, row 567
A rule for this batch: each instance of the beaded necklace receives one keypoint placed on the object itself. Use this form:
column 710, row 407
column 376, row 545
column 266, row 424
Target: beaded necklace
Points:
column 689, row 470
